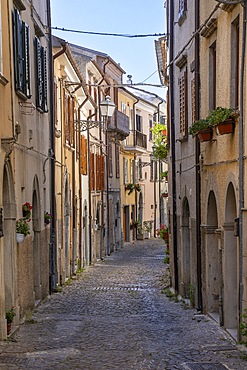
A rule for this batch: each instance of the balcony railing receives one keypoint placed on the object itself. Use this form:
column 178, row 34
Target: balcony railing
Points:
column 135, row 140
column 119, row 124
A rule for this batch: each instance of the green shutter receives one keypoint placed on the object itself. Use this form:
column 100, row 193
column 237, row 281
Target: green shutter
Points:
column 27, row 85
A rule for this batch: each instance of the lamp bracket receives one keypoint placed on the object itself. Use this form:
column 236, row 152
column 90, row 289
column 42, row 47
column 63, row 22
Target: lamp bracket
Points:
column 84, row 125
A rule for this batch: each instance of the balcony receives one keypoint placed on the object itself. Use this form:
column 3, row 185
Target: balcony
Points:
column 119, row 125
column 136, row 142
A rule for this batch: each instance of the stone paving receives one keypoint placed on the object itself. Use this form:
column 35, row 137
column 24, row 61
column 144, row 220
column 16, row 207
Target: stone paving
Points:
column 114, row 316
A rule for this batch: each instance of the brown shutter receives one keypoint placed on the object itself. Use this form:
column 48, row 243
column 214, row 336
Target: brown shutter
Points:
column 183, row 105
column 92, row 172
column 102, row 172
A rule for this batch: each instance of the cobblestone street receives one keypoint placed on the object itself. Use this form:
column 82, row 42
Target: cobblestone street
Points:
column 115, row 317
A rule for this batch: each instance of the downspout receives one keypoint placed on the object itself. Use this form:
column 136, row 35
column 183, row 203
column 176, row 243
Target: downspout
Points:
column 173, row 143
column 53, row 251
column 197, row 158
column 134, row 113
column 80, row 187
column 241, row 161
column 89, row 190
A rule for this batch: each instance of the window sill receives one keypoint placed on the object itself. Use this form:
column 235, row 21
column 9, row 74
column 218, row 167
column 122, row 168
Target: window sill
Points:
column 181, row 18
column 3, row 80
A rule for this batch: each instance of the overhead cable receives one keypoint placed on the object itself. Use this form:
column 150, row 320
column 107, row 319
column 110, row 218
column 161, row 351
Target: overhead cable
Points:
column 109, row 34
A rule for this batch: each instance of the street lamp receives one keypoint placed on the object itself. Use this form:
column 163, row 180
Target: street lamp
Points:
column 107, row 108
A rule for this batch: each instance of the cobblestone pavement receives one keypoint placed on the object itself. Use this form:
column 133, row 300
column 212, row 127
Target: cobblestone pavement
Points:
column 115, row 317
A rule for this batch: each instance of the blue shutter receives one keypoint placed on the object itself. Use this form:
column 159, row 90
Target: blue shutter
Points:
column 27, row 85
column 18, row 50
column 45, row 89
column 38, row 73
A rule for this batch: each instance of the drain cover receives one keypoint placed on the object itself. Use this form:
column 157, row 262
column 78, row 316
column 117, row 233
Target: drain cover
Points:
column 206, row 366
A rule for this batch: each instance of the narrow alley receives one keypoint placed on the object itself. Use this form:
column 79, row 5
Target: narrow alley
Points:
column 114, row 316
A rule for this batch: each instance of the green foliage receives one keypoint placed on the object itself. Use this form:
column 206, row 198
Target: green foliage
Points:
column 160, row 149
column 215, row 117
column 131, row 187
column 163, row 174
column 147, row 226
column 162, row 232
column 22, row 227
column 243, row 327
column 10, row 314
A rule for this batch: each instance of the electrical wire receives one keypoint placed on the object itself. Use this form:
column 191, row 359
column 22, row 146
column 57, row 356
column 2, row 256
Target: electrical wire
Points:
column 109, row 34
column 149, row 76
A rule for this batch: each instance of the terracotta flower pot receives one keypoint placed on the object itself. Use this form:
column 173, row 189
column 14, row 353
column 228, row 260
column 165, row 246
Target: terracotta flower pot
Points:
column 8, row 328
column 226, row 127
column 205, row 135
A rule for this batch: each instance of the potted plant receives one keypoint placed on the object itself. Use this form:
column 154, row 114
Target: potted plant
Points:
column 164, row 194
column 22, row 230
column 223, row 119
column 26, row 210
column 147, row 228
column 202, row 128
column 164, row 175
column 162, row 232
column 139, row 230
column 10, row 314
column 160, row 149
column 47, row 218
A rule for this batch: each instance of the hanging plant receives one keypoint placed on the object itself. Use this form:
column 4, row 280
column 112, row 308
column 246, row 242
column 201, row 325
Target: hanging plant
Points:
column 26, row 211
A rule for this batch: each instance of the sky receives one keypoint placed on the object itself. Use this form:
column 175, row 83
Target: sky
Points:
column 136, row 56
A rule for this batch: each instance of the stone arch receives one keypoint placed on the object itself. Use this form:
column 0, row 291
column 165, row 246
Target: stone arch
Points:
column 140, row 208
column 230, row 262
column 67, row 208
column 186, row 252
column 9, row 220
column 36, row 219
column 213, row 267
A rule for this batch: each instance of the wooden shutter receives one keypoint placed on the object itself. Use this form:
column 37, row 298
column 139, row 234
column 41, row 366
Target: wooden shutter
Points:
column 117, row 161
column 125, row 165
column 83, row 155
column 45, row 81
column 18, row 50
column 92, row 172
column 102, row 172
column 193, row 101
column 26, row 64
column 183, row 104
column 110, row 172
column 39, row 88
column 66, row 117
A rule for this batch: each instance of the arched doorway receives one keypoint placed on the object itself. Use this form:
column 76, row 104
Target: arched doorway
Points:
column 230, row 262
column 186, row 264
column 36, row 211
column 213, row 267
column 67, row 228
column 9, row 274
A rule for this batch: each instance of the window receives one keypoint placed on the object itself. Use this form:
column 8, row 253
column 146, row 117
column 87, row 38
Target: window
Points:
column 123, row 108
column 21, row 55
column 235, row 51
column 140, row 169
column 40, row 76
column 150, row 129
column 212, row 76
column 182, row 11
column 182, row 7
column 193, row 100
column 69, row 120
column 183, row 105
column 125, row 168
column 138, row 122
column 83, row 155
column 117, row 161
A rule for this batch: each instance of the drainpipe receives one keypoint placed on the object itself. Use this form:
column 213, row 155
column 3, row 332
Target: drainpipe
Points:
column 53, row 250
column 134, row 113
column 197, row 158
column 80, row 186
column 173, row 142
column 241, row 161
column 89, row 190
